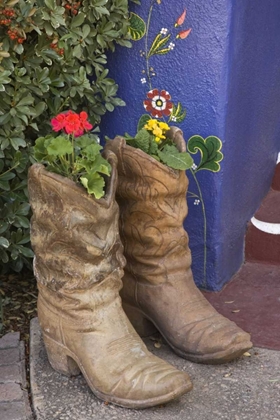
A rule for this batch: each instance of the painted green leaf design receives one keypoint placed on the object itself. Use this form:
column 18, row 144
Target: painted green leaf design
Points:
column 143, row 121
column 94, row 183
column 210, row 150
column 178, row 113
column 158, row 45
column 171, row 156
column 162, row 52
column 137, row 27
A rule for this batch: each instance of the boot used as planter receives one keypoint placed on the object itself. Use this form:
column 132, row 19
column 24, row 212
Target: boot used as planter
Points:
column 78, row 265
column 159, row 290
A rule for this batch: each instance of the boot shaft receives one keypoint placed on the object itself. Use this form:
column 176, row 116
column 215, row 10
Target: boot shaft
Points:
column 152, row 200
column 74, row 236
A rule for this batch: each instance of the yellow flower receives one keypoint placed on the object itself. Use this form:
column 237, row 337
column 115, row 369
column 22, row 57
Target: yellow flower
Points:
column 163, row 126
column 151, row 125
column 157, row 139
column 157, row 131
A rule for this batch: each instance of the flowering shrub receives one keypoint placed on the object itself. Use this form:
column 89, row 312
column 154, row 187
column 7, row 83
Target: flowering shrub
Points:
column 152, row 138
column 74, row 154
column 52, row 58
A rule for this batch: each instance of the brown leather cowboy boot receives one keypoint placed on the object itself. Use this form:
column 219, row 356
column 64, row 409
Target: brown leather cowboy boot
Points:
column 78, row 265
column 159, row 290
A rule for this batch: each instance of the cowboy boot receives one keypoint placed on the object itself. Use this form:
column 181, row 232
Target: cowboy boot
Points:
column 159, row 292
column 78, row 265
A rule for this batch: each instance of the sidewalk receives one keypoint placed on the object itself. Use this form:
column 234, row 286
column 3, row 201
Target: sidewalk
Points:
column 246, row 389
column 14, row 404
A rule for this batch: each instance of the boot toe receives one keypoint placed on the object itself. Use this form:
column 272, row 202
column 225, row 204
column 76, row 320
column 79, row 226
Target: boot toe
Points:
column 215, row 342
column 155, row 383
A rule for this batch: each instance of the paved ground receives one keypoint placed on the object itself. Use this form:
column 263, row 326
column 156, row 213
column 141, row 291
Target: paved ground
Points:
column 246, row 389
column 14, row 404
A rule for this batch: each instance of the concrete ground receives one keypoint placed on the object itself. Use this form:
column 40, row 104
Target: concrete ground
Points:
column 14, row 403
column 246, row 389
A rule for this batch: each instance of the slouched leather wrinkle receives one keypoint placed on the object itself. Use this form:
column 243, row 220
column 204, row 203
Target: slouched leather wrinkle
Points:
column 78, row 265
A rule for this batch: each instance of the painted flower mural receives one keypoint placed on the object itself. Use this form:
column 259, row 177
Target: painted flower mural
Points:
column 158, row 103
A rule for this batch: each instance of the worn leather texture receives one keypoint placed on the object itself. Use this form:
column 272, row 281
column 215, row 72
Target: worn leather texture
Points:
column 158, row 281
column 78, row 265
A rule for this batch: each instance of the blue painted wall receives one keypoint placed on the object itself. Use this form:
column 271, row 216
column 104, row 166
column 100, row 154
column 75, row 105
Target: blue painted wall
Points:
column 226, row 74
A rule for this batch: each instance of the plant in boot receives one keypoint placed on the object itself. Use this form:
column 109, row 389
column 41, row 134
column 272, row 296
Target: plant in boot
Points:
column 159, row 293
column 75, row 153
column 153, row 137
column 78, row 265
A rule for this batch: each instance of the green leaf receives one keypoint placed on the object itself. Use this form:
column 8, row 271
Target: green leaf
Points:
column 210, row 151
column 60, row 146
column 137, row 27
column 143, row 121
column 101, row 165
column 175, row 159
column 51, row 4
column 142, row 140
column 17, row 142
column 91, row 151
column 27, row 252
column 94, row 183
column 27, row 100
column 4, row 242
column 77, row 20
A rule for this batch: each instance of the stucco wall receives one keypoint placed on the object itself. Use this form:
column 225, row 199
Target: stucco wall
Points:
column 226, row 74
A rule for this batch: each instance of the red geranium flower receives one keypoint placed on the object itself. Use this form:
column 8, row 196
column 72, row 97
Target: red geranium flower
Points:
column 72, row 123
column 58, row 122
column 84, row 123
column 159, row 103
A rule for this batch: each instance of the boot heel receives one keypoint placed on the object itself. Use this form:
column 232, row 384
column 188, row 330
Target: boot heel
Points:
column 58, row 358
column 142, row 325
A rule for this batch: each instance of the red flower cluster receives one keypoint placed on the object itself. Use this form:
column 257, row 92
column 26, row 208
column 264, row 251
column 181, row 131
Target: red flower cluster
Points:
column 71, row 123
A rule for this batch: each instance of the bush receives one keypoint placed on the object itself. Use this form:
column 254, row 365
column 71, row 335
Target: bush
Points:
column 52, row 58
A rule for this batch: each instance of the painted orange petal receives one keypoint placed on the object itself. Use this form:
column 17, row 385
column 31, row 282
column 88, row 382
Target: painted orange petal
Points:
column 184, row 34
column 181, row 19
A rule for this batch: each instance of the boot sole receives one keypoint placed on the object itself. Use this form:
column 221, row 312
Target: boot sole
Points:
column 56, row 360
column 212, row 359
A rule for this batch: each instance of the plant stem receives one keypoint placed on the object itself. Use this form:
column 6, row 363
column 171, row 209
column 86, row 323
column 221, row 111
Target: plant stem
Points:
column 146, row 43
column 204, row 283
column 9, row 170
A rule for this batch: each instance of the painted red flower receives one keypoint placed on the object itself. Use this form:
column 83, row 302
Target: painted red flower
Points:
column 158, row 103
column 181, row 19
column 184, row 34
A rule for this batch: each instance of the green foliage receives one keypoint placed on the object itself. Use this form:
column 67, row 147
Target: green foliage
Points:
column 152, row 138
column 210, row 151
column 171, row 156
column 52, row 58
column 78, row 160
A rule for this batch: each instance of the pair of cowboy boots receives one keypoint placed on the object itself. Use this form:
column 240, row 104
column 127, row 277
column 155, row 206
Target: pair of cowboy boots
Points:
column 79, row 266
